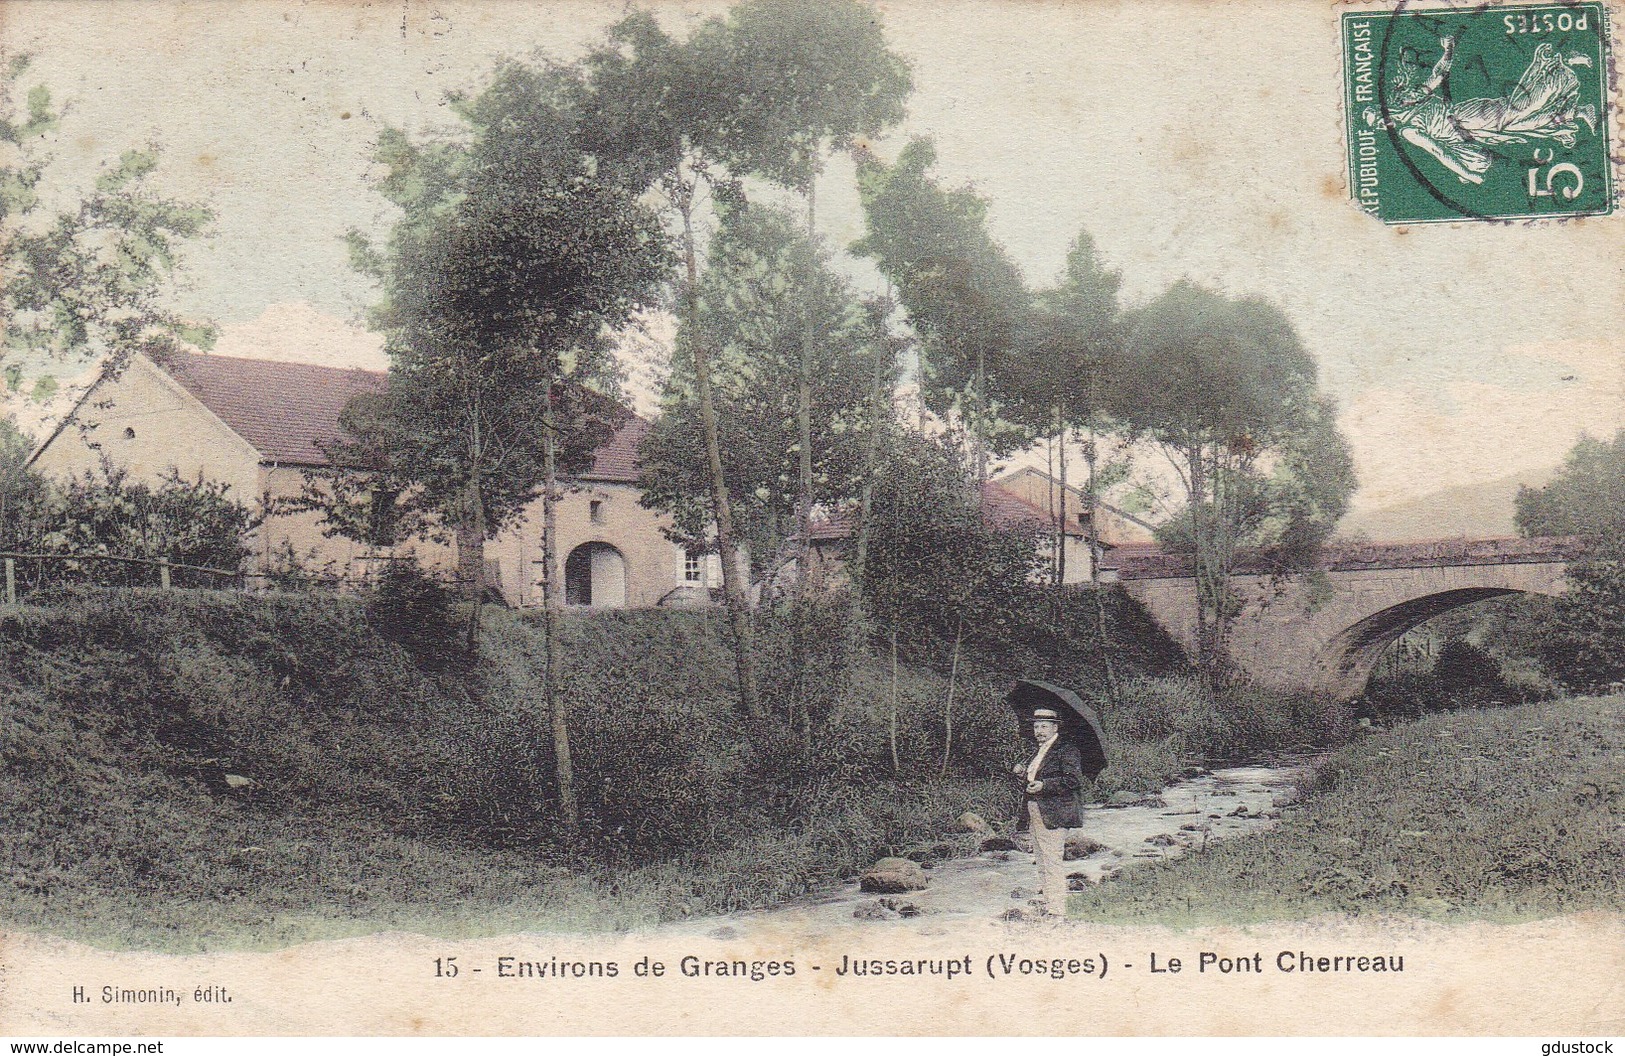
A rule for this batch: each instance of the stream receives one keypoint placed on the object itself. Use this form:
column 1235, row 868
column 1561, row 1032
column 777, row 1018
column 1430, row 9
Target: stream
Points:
column 986, row 887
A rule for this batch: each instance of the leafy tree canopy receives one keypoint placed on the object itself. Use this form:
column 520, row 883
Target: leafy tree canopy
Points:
column 754, row 304
column 1587, row 497
column 935, row 564
column 1201, row 368
column 763, row 91
column 1583, row 644
column 1227, row 391
column 963, row 294
column 515, row 257
column 1069, row 345
column 781, row 79
column 82, row 274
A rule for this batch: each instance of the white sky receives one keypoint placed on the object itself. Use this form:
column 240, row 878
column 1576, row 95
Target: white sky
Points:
column 1192, row 139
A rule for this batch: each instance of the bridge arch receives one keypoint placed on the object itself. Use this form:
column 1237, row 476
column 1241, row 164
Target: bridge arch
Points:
column 1325, row 632
column 1349, row 658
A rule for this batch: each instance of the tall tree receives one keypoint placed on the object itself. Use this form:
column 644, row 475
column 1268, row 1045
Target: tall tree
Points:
column 516, row 255
column 1587, row 497
column 964, row 296
column 1225, row 389
column 1584, row 643
column 816, row 75
column 755, row 300
column 1061, row 388
column 887, row 349
column 82, row 274
column 1061, row 378
column 759, row 93
column 937, row 569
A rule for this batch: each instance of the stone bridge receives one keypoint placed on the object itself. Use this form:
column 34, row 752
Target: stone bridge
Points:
column 1324, row 629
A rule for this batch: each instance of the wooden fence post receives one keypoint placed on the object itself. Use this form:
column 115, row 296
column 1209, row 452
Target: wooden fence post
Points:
column 11, row 581
column 163, row 572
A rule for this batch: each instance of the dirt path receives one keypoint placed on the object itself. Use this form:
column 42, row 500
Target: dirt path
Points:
column 1213, row 806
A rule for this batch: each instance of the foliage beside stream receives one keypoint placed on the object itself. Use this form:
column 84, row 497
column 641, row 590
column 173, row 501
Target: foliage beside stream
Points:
column 1510, row 813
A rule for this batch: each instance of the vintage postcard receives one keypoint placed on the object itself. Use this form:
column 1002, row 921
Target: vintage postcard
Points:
column 811, row 517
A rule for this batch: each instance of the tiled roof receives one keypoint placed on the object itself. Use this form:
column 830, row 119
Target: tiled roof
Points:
column 1136, row 551
column 285, row 410
column 1001, row 508
column 288, row 410
column 832, row 528
column 617, row 461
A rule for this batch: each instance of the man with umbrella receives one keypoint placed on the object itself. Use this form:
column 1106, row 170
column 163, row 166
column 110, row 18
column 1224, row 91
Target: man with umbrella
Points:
column 1070, row 747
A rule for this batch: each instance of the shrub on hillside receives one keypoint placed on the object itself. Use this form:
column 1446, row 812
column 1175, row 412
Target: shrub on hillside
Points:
column 104, row 513
column 664, row 763
column 1463, row 675
column 418, row 612
column 1057, row 636
column 1241, row 719
column 1584, row 644
column 805, row 658
column 1462, row 667
column 294, row 693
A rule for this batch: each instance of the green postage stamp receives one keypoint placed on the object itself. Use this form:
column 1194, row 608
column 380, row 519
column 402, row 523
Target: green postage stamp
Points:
column 1481, row 113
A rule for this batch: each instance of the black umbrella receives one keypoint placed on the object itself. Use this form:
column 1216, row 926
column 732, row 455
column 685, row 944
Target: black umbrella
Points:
column 1078, row 720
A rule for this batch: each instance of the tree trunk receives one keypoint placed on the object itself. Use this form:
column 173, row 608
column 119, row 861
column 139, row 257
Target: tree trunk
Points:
column 948, row 706
column 804, row 485
column 1060, row 531
column 1202, row 569
column 981, row 419
column 878, row 406
column 471, row 555
column 557, row 704
column 804, row 459
column 1090, row 454
column 1049, row 509
column 896, row 765
column 734, row 592
column 1222, row 527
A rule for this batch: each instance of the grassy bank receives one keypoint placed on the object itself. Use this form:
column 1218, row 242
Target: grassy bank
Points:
column 194, row 770
column 1506, row 814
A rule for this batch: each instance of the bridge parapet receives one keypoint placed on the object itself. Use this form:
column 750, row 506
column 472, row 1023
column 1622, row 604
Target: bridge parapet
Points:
column 1147, row 563
column 1325, row 631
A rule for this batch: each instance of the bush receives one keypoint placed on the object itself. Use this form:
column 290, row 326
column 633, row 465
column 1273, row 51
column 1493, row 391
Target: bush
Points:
column 183, row 522
column 1242, row 720
column 1462, row 667
column 418, row 612
column 1511, row 812
column 1463, row 675
column 1584, row 645
column 665, row 765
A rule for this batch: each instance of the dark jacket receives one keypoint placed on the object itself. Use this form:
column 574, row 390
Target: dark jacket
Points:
column 1060, row 802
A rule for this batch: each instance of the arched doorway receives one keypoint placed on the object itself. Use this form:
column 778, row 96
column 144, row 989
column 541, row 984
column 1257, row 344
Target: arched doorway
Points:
column 595, row 575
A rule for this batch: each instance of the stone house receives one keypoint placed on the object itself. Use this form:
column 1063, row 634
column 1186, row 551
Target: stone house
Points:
column 1004, row 505
column 258, row 426
column 1041, row 492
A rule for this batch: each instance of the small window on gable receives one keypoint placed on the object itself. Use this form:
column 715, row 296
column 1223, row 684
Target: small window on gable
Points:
column 595, row 511
column 693, row 568
column 129, row 433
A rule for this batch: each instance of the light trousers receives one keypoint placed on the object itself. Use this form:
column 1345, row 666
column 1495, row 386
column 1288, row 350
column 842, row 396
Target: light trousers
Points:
column 1049, row 847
